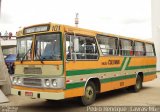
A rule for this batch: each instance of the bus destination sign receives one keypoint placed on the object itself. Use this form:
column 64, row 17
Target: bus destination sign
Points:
column 36, row 29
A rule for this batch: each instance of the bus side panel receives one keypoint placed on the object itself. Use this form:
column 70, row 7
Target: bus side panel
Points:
column 142, row 62
column 74, row 92
column 117, row 84
column 146, row 65
column 77, row 71
column 149, row 77
column 111, row 75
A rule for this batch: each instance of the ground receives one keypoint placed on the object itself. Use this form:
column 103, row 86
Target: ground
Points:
column 148, row 96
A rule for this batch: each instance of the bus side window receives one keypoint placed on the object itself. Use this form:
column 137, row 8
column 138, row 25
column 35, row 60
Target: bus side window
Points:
column 87, row 48
column 107, row 44
column 126, row 48
column 149, row 49
column 139, row 49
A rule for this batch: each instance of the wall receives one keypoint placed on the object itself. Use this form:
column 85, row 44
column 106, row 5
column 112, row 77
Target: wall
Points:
column 156, row 28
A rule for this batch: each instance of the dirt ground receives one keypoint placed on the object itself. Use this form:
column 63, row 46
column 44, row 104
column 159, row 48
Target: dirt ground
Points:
column 148, row 96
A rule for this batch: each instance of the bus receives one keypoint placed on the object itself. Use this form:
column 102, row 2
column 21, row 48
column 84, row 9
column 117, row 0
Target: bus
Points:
column 56, row 62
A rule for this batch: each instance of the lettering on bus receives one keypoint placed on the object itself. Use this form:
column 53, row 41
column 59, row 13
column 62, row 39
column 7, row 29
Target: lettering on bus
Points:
column 36, row 29
column 111, row 62
column 56, row 28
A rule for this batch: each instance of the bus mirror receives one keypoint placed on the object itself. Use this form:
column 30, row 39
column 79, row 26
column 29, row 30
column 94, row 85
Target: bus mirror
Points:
column 76, row 45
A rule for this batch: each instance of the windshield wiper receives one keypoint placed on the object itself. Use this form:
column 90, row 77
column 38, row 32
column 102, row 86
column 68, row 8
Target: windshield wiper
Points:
column 25, row 55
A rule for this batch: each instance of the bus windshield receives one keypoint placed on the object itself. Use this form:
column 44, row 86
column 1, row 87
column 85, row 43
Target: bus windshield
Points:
column 47, row 47
column 24, row 45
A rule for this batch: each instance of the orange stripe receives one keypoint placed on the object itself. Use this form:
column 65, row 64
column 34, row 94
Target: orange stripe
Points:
column 74, row 92
column 37, row 89
column 68, row 93
column 106, row 87
column 38, row 63
column 142, row 61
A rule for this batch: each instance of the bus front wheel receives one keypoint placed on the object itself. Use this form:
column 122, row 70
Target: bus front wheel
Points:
column 90, row 94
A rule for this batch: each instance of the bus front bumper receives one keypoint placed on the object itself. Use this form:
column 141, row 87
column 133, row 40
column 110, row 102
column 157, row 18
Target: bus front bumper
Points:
column 35, row 94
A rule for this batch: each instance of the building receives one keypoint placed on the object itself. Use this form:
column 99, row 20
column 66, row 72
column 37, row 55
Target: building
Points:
column 156, row 28
column 8, row 45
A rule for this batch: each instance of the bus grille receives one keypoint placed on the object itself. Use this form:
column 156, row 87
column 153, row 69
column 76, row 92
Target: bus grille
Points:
column 32, row 82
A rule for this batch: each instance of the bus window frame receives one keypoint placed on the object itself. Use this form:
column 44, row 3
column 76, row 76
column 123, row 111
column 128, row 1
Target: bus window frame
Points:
column 61, row 46
column 153, row 49
column 117, row 45
column 32, row 47
column 132, row 45
column 143, row 47
column 98, row 54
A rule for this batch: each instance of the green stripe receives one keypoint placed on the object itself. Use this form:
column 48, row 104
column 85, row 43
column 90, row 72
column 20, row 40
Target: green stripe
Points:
column 102, row 70
column 81, row 84
column 150, row 73
column 75, row 85
column 118, row 78
column 92, row 71
column 128, row 62
column 140, row 67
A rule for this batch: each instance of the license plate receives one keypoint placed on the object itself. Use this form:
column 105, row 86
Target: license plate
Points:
column 28, row 93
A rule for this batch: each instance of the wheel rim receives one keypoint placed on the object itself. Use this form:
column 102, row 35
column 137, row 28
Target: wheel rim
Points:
column 89, row 93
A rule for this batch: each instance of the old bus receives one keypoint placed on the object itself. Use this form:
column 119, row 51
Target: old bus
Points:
column 57, row 61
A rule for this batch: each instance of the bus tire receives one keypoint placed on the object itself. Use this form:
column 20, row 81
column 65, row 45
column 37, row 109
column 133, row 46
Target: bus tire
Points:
column 90, row 94
column 138, row 85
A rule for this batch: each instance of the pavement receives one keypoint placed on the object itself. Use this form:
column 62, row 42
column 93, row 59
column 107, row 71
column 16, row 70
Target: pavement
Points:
column 148, row 96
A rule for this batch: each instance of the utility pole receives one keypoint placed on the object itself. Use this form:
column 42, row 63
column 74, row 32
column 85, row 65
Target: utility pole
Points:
column 77, row 20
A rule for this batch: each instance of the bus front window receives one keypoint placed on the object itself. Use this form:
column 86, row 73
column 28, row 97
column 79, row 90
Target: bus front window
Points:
column 24, row 46
column 47, row 47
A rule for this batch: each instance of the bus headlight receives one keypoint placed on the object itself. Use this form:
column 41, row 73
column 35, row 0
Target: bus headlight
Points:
column 14, row 80
column 47, row 82
column 19, row 81
column 54, row 82
column 57, row 83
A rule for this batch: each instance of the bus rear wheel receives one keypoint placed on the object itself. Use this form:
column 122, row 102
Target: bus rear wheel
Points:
column 138, row 85
column 90, row 94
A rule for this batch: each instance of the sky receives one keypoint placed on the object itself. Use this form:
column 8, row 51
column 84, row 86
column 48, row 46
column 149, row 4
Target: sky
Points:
column 123, row 17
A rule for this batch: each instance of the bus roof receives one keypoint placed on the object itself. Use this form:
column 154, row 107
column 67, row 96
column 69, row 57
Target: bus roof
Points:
column 77, row 30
